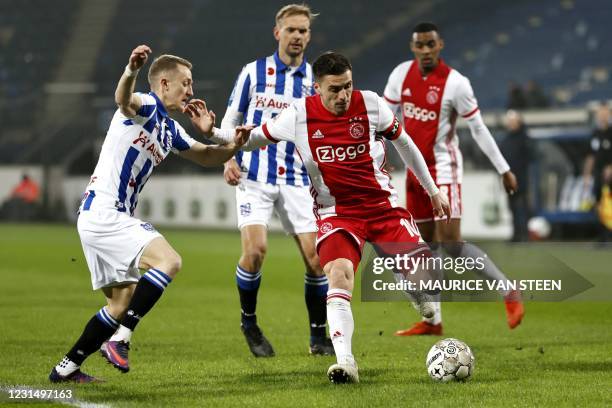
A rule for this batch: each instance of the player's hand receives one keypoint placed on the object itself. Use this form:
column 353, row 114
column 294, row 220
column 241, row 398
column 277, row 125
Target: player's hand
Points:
column 201, row 118
column 231, row 172
column 510, row 183
column 139, row 57
column 440, row 205
column 242, row 135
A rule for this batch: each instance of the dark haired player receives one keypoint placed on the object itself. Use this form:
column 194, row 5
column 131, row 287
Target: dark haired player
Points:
column 340, row 134
column 431, row 96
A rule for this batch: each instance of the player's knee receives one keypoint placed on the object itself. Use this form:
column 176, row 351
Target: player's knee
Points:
column 339, row 273
column 173, row 264
column 253, row 257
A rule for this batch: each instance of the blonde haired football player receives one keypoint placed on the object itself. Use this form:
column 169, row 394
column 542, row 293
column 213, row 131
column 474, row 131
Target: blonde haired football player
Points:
column 275, row 179
column 116, row 244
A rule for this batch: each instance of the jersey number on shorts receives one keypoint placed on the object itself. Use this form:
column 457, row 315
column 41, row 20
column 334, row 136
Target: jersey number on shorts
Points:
column 412, row 229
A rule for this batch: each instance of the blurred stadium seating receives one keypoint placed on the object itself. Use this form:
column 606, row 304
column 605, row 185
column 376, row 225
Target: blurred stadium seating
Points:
column 52, row 116
column 561, row 44
column 31, row 38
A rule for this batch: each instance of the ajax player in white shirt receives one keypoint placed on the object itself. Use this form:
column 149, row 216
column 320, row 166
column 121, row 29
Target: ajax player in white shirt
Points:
column 116, row 244
column 430, row 96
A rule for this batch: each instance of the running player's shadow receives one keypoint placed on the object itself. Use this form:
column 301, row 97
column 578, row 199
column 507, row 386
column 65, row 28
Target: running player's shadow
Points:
column 301, row 378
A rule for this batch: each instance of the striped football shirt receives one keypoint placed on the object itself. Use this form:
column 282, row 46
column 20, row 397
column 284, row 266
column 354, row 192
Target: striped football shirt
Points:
column 263, row 89
column 131, row 150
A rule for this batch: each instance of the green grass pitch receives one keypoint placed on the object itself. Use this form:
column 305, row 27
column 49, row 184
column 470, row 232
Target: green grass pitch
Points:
column 189, row 350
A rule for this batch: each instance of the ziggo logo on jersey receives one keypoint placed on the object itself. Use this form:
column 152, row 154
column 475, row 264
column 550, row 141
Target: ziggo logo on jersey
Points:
column 327, row 154
column 414, row 112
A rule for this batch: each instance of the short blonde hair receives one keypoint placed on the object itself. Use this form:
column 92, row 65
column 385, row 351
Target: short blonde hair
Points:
column 293, row 9
column 165, row 62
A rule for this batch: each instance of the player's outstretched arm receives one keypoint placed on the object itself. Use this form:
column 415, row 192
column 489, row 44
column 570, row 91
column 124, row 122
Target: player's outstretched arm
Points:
column 204, row 121
column 214, row 155
column 255, row 140
column 127, row 102
column 210, row 155
column 281, row 128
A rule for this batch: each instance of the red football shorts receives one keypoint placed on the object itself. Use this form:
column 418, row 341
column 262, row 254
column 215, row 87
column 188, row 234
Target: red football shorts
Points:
column 419, row 203
column 391, row 232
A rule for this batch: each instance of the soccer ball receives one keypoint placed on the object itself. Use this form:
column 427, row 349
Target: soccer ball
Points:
column 538, row 228
column 450, row 359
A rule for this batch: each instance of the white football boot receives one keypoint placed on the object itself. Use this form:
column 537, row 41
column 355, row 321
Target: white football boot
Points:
column 343, row 373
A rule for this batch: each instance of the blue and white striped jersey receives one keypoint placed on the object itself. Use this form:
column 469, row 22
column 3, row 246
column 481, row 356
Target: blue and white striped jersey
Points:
column 131, row 150
column 264, row 88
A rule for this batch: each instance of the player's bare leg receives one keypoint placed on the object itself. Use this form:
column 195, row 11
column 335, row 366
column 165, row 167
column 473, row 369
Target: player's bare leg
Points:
column 254, row 238
column 162, row 264
column 341, row 274
column 315, row 294
column 428, row 325
column 450, row 237
column 427, row 230
column 118, row 299
column 99, row 329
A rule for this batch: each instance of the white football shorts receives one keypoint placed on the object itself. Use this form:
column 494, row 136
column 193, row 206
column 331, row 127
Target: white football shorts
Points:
column 255, row 202
column 113, row 243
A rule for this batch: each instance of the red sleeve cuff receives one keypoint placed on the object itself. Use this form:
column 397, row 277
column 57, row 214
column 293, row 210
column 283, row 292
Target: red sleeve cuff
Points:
column 391, row 100
column 267, row 134
column 471, row 113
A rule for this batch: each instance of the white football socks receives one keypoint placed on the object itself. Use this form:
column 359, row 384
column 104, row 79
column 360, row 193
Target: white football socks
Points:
column 490, row 270
column 66, row 367
column 122, row 334
column 341, row 325
column 437, row 317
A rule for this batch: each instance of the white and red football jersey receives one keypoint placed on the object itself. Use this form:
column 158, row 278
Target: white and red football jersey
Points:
column 430, row 106
column 344, row 155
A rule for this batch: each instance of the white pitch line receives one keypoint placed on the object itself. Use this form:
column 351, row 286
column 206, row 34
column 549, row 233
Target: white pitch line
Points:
column 66, row 401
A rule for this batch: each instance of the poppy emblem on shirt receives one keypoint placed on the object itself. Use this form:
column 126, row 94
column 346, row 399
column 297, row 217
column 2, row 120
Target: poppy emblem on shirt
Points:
column 270, row 71
column 357, row 130
column 431, row 97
